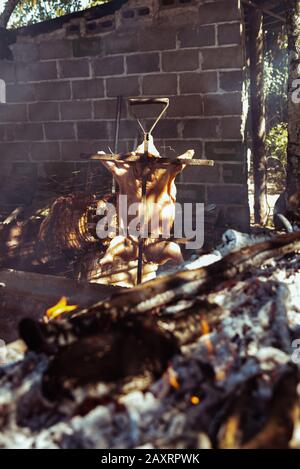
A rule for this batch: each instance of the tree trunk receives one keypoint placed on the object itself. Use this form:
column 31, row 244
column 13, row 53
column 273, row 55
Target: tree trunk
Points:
column 258, row 111
column 293, row 151
column 9, row 7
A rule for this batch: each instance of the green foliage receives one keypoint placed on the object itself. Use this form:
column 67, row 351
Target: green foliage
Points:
column 276, row 141
column 34, row 11
column 276, row 78
column 94, row 3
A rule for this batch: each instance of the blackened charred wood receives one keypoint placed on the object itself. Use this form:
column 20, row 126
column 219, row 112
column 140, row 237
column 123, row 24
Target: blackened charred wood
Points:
column 117, row 351
column 188, row 284
column 256, row 419
column 162, row 294
column 281, row 415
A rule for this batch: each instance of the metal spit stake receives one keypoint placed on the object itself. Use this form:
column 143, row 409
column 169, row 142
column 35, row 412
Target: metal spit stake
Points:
column 117, row 130
column 147, row 134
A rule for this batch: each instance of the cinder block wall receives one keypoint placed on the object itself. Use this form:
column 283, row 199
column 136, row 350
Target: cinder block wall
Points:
column 62, row 88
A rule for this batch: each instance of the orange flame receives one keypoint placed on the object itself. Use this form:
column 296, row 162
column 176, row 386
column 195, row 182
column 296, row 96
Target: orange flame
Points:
column 220, row 375
column 195, row 400
column 60, row 308
column 205, row 331
column 209, row 345
column 173, row 379
column 205, row 327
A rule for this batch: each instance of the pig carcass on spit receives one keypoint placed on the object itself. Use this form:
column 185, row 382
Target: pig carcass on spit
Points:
column 159, row 206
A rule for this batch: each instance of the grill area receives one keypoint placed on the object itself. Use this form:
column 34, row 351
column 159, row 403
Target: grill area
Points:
column 207, row 360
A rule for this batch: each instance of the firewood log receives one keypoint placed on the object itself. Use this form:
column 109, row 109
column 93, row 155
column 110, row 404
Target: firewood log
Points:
column 188, row 284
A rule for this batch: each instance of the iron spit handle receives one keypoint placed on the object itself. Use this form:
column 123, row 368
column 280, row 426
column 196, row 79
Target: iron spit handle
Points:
column 136, row 101
column 140, row 101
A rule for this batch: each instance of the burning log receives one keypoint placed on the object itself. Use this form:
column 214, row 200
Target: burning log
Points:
column 179, row 293
column 187, row 284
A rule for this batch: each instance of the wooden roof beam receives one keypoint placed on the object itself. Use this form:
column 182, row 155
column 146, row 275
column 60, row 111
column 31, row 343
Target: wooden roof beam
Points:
column 250, row 3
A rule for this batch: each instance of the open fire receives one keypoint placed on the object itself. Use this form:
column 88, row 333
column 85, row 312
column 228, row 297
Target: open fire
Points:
column 198, row 358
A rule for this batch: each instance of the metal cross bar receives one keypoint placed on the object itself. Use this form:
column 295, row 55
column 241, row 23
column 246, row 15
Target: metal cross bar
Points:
column 131, row 158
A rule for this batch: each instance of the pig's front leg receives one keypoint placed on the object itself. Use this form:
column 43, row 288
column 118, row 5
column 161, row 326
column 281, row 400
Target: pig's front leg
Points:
column 160, row 252
column 175, row 169
column 118, row 171
column 121, row 248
